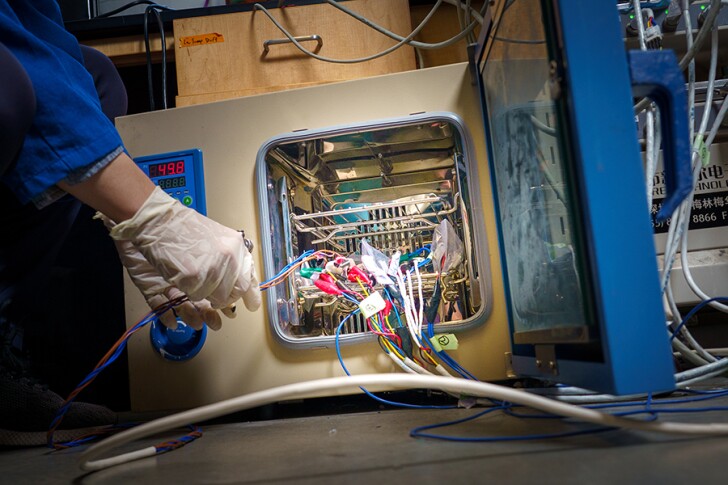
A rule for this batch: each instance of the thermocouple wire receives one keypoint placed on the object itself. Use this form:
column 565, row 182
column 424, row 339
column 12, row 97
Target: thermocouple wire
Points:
column 89, row 459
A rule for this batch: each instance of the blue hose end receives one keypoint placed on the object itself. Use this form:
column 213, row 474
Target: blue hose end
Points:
column 179, row 344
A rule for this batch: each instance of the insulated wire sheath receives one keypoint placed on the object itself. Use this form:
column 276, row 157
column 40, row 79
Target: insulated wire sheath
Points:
column 403, row 41
column 89, row 459
column 421, row 45
column 715, row 6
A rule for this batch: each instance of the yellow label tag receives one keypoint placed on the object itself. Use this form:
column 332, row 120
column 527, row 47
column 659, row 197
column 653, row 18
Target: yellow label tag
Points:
column 202, row 39
column 445, row 341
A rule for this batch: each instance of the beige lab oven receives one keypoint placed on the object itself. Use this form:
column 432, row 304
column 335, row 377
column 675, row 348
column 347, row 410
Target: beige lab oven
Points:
column 380, row 159
column 540, row 280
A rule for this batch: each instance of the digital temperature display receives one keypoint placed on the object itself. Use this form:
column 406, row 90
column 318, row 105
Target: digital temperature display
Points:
column 179, row 174
column 171, row 183
column 176, row 167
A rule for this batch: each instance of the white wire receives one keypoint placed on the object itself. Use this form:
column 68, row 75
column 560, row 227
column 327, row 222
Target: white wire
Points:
column 413, row 306
column 699, row 138
column 408, row 310
column 650, row 155
column 89, row 459
column 696, row 380
column 401, row 40
column 640, row 24
column 422, row 45
column 400, row 363
column 421, row 309
column 703, row 356
column 653, row 144
column 718, row 121
column 691, row 68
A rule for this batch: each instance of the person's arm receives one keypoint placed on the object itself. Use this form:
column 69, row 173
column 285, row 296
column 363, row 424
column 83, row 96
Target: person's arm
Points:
column 203, row 259
column 118, row 190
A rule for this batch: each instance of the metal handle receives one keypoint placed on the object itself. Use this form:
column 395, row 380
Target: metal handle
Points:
column 304, row 38
column 657, row 75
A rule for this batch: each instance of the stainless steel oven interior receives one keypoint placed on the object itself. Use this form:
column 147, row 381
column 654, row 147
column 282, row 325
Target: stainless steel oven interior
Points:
column 394, row 187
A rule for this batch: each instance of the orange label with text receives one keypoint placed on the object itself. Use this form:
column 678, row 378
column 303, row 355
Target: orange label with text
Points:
column 202, row 39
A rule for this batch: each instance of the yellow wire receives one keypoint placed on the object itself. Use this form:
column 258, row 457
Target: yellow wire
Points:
column 391, row 347
column 386, row 322
column 366, row 293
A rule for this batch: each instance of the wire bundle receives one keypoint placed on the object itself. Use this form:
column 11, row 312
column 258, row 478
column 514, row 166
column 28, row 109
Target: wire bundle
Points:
column 156, row 9
column 412, row 354
column 114, row 352
column 677, row 237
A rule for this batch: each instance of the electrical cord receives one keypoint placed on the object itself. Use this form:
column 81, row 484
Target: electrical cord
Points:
column 696, row 45
column 650, row 155
column 111, row 356
column 403, row 41
column 406, row 368
column 126, row 7
column 677, row 238
column 156, row 9
column 421, row 45
column 715, row 6
column 90, row 461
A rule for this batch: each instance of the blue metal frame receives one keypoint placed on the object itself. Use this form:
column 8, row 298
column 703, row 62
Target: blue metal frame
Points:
column 618, row 239
column 194, row 172
column 182, row 343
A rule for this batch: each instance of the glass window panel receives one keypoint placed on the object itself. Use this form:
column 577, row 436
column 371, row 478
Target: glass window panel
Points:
column 534, row 187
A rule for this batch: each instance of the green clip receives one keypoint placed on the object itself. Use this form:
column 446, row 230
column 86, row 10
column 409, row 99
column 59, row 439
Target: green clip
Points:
column 308, row 272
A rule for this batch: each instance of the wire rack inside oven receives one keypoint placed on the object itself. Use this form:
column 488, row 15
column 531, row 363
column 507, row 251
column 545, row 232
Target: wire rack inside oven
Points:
column 405, row 224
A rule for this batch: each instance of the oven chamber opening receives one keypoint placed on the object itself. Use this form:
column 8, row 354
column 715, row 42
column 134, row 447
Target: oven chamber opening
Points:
column 394, row 186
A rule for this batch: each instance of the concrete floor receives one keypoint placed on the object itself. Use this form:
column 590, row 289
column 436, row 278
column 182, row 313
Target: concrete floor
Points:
column 375, row 447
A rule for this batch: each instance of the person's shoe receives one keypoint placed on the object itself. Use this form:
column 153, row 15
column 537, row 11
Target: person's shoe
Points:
column 27, row 409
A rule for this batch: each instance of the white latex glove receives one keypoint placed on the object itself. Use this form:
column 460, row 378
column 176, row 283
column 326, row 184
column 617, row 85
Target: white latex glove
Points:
column 204, row 259
column 157, row 291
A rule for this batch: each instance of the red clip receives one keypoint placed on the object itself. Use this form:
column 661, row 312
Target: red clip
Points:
column 387, row 308
column 356, row 274
column 327, row 286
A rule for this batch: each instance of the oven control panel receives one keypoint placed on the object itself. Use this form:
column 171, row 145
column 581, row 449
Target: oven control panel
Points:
column 180, row 174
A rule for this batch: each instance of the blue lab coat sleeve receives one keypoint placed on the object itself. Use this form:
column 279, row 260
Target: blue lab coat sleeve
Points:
column 70, row 138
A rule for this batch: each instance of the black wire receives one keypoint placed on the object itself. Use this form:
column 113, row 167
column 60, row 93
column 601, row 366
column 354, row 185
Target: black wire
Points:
column 157, row 10
column 519, row 41
column 126, row 7
column 160, row 25
column 150, row 85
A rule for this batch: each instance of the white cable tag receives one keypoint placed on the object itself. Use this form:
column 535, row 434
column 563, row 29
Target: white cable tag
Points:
column 372, row 305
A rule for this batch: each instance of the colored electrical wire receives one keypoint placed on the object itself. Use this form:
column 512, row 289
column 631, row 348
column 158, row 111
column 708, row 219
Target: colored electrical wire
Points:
column 373, row 396
column 110, row 357
column 649, row 406
column 447, row 359
column 90, row 461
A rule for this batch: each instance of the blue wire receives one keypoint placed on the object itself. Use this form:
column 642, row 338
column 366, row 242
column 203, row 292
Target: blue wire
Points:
column 698, row 307
column 377, row 398
column 288, row 266
column 648, row 408
column 92, row 375
column 445, row 357
column 418, row 432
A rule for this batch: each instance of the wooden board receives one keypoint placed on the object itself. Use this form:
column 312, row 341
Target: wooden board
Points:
column 235, row 62
column 130, row 50
column 442, row 26
column 212, row 97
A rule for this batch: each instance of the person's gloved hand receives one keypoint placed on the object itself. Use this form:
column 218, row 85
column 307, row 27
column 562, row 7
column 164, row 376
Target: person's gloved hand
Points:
column 203, row 259
column 157, row 291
